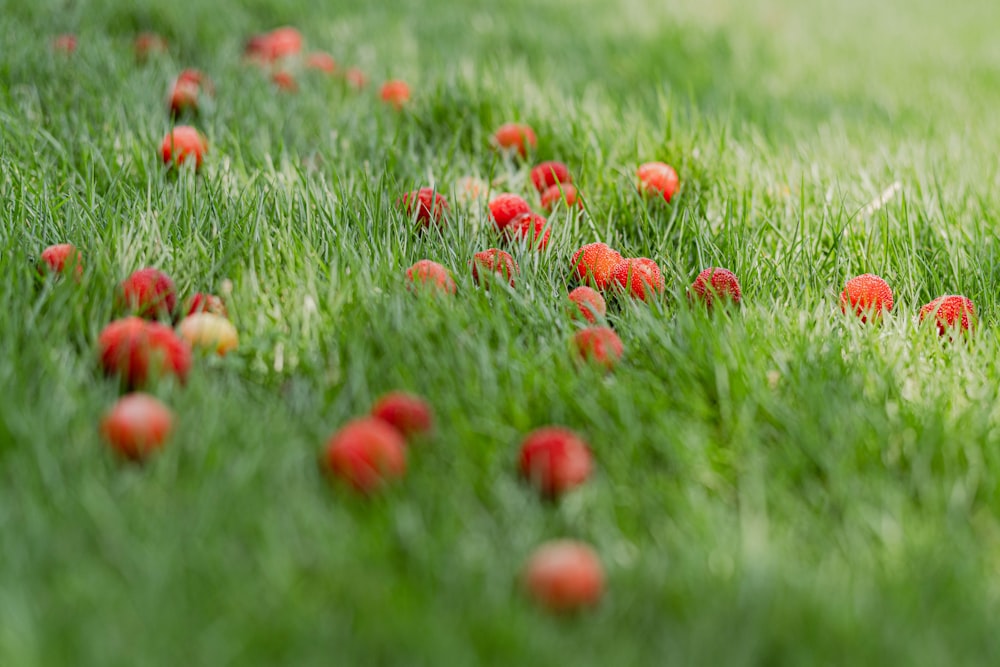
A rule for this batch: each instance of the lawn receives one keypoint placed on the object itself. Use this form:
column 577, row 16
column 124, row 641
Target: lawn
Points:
column 776, row 484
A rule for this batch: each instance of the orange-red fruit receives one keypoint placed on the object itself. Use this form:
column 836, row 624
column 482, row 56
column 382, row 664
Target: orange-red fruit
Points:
column 951, row 312
column 395, row 93
column 149, row 293
column 58, row 258
column 554, row 460
column 716, row 283
column 181, row 143
column 366, row 453
column 147, row 44
column 529, row 226
column 323, row 62
column 590, row 303
column 183, row 96
column 550, row 173
column 657, row 178
column 427, row 274
column 517, row 137
column 564, row 576
column 285, row 81
column 408, row 414
column 561, row 192
column 495, row 261
column 600, row 345
column 866, row 295
column 426, row 204
column 356, row 78
column 64, row 44
column 202, row 302
column 137, row 425
column 640, row 277
column 270, row 46
column 506, row 207
column 138, row 350
column 596, row 261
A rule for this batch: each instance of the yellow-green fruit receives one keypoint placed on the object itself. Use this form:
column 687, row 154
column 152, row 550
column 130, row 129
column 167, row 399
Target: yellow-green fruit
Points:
column 209, row 331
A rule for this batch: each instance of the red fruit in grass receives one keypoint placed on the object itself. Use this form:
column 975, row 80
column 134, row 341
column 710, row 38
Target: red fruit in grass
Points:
column 65, row 44
column 427, row 274
column 596, row 261
column 550, row 173
column 554, row 460
column 866, row 295
column 282, row 42
column 950, row 313
column 181, row 143
column 495, row 261
column 589, row 302
column 323, row 62
column 367, row 454
column 600, row 345
column 356, row 78
column 149, row 293
column 147, row 44
column 426, row 204
column 529, row 226
column 395, row 93
column 716, row 284
column 561, row 192
column 408, row 414
column 202, row 302
column 59, row 258
column 516, row 137
column 506, row 207
column 564, row 576
column 657, row 178
column 137, row 426
column 285, row 81
column 640, row 277
column 183, row 96
column 138, row 351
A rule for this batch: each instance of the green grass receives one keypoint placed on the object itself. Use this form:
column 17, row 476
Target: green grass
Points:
column 777, row 486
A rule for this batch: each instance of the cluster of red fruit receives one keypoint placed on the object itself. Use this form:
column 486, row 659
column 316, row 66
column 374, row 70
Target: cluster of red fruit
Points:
column 868, row 296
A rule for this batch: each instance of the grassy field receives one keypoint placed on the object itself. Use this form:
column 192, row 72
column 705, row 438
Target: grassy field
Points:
column 778, row 486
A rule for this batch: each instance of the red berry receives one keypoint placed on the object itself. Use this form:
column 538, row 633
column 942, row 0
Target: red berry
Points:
column 657, row 178
column 564, row 576
column 506, row 207
column 202, row 302
column 408, row 414
column 147, row 44
column 323, row 62
column 640, row 277
column 547, row 174
column 149, row 293
column 421, row 202
column 427, row 274
column 561, row 192
column 589, row 302
column 529, row 226
column 138, row 350
column 951, row 312
column 278, row 43
column 598, row 261
column 866, row 295
column 181, row 142
column 517, row 137
column 716, row 283
column 366, row 453
column 285, row 81
column 65, row 44
column 600, row 345
column 496, row 261
column 396, row 93
column 137, row 425
column 554, row 460
column 183, row 96
column 57, row 258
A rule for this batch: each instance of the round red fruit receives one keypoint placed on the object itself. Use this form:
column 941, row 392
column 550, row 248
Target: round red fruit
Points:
column 640, row 277
column 866, row 295
column 555, row 460
column 529, row 227
column 367, row 454
column 495, row 261
column 658, row 178
column 283, row 42
column 561, row 192
column 506, row 207
column 138, row 351
column 408, row 414
column 137, row 426
column 547, row 174
column 589, row 302
column 426, row 204
column 61, row 257
column 564, row 576
column 599, row 345
column 395, row 93
column 202, row 302
column 516, row 137
column 181, row 143
column 426, row 274
column 716, row 284
column 284, row 81
column 149, row 293
column 950, row 313
column 596, row 261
